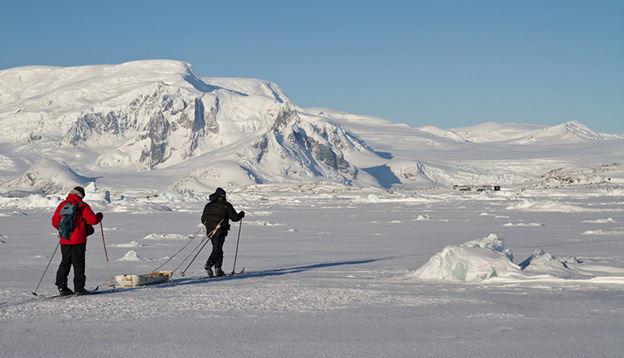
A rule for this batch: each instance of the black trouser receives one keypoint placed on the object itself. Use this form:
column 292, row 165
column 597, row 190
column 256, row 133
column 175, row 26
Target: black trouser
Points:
column 73, row 255
column 216, row 256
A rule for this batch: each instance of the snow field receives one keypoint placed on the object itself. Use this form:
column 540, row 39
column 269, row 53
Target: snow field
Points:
column 336, row 277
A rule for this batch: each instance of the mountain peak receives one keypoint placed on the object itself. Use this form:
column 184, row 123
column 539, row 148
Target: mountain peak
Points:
column 158, row 114
column 158, row 119
column 573, row 129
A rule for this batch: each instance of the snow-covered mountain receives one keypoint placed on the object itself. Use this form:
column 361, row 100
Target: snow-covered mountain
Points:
column 572, row 131
column 157, row 124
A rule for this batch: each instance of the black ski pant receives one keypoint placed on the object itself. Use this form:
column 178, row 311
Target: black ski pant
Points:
column 73, row 255
column 216, row 256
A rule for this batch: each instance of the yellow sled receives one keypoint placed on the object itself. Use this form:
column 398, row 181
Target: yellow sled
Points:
column 141, row 280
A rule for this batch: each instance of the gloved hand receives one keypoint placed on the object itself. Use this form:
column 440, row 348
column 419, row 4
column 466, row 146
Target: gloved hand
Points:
column 100, row 216
column 241, row 214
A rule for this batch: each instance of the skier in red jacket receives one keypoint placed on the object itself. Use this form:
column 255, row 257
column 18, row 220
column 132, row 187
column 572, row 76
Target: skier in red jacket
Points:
column 73, row 248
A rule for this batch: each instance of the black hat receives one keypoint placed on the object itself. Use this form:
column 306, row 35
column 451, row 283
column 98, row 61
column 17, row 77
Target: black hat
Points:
column 78, row 191
column 220, row 192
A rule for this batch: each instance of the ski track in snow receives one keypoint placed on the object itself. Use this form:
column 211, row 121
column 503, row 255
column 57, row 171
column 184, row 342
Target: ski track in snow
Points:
column 268, row 298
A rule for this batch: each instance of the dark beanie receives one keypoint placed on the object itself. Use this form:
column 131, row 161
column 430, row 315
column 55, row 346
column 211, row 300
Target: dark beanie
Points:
column 78, row 191
column 220, row 192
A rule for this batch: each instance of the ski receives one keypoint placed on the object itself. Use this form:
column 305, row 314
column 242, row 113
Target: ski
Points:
column 92, row 292
column 226, row 275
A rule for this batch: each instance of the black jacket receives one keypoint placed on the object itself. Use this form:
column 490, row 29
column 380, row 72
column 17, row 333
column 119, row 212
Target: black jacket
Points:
column 216, row 210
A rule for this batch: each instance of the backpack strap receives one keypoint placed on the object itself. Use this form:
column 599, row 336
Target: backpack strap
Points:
column 58, row 223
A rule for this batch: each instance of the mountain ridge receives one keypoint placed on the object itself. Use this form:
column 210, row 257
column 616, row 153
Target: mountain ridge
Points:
column 159, row 116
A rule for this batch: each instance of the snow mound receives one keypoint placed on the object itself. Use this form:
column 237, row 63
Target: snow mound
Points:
column 140, row 208
column 600, row 221
column 93, row 194
column 423, row 218
column 600, row 232
column 544, row 262
column 32, row 201
column 131, row 256
column 545, row 206
column 155, row 236
column 133, row 243
column 488, row 259
column 263, row 223
column 371, row 198
column 473, row 261
column 525, row 224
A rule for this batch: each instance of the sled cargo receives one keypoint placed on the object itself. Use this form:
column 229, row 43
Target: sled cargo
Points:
column 141, row 280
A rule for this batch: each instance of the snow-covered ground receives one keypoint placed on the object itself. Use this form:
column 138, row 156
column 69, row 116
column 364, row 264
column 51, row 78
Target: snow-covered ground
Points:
column 330, row 272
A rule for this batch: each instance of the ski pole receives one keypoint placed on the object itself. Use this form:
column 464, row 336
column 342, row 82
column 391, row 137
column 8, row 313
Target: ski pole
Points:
column 46, row 269
column 110, row 274
column 240, row 225
column 190, row 254
column 174, row 255
column 209, row 236
column 194, row 257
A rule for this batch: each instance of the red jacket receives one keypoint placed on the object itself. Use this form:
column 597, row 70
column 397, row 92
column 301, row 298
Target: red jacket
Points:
column 84, row 214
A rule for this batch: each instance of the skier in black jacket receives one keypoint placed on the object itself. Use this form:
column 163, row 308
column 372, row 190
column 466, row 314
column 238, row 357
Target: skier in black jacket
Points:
column 216, row 217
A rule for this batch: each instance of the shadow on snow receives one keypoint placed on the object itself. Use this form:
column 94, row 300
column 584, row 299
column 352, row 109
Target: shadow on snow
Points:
column 270, row 272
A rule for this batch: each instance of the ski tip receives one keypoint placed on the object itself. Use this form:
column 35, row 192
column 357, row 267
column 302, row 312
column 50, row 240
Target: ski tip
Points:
column 237, row 273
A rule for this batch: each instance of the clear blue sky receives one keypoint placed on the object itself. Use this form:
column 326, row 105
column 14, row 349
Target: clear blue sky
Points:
column 443, row 63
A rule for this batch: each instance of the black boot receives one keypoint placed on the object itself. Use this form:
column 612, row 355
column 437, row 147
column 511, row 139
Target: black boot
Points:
column 219, row 272
column 209, row 271
column 65, row 291
column 82, row 291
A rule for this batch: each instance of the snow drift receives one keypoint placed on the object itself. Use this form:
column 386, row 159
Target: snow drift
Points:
column 473, row 261
column 488, row 260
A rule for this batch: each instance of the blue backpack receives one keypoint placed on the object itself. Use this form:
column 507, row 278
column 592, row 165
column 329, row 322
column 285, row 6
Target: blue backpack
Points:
column 66, row 220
